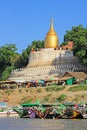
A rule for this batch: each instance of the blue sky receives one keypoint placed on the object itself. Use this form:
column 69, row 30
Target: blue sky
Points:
column 23, row 21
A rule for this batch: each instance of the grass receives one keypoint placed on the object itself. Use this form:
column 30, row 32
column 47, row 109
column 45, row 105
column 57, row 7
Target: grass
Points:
column 46, row 94
column 38, row 90
column 9, row 91
column 20, row 90
column 47, row 97
column 26, row 101
column 26, row 90
column 54, row 88
column 78, row 88
column 62, row 97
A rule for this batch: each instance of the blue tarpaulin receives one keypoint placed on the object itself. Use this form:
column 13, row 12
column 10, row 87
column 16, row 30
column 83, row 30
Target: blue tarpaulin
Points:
column 3, row 104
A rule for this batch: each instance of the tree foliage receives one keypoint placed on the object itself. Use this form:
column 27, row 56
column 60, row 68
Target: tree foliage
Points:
column 78, row 35
column 24, row 58
column 37, row 44
column 10, row 59
column 8, row 56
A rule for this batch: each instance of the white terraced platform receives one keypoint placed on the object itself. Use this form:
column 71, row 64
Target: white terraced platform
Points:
column 38, row 71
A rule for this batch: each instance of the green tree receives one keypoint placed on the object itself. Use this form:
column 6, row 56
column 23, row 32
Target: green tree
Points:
column 8, row 56
column 37, row 44
column 78, row 35
column 10, row 59
column 24, row 57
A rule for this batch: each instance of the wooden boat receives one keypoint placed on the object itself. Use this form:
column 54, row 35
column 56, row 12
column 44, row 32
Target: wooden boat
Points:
column 77, row 115
column 10, row 113
column 25, row 112
column 34, row 110
column 49, row 111
column 84, row 112
column 70, row 113
column 84, row 115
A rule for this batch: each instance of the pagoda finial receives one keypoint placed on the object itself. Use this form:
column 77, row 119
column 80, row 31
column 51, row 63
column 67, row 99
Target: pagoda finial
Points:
column 51, row 39
column 51, row 23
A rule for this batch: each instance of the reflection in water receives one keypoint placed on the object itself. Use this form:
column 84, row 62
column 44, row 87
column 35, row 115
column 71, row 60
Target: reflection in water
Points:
column 42, row 124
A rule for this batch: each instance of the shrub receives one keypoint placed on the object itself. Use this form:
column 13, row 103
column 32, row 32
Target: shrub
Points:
column 78, row 88
column 54, row 88
column 26, row 101
column 26, row 90
column 47, row 97
column 62, row 97
column 20, row 90
column 39, row 90
column 9, row 91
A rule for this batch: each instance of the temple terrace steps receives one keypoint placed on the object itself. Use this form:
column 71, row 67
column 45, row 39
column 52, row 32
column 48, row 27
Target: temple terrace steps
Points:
column 42, row 72
column 29, row 73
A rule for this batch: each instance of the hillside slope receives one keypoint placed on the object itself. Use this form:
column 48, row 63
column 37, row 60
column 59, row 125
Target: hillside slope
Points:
column 20, row 95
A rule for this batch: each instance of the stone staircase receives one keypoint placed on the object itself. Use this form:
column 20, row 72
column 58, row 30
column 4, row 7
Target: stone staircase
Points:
column 43, row 72
column 33, row 73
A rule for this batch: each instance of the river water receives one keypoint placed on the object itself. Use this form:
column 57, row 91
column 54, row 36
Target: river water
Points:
column 42, row 124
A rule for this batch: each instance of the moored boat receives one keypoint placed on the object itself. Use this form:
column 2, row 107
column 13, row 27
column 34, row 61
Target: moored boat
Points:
column 34, row 110
column 77, row 115
column 50, row 111
column 9, row 113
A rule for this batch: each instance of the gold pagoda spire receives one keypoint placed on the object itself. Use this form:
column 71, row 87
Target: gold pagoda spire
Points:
column 51, row 39
column 51, row 24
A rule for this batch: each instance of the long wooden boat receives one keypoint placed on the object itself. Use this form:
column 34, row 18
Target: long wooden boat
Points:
column 9, row 114
column 34, row 110
column 71, row 113
column 49, row 111
column 77, row 115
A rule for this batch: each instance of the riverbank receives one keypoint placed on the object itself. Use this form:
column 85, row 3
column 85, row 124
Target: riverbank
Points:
column 47, row 94
column 8, row 114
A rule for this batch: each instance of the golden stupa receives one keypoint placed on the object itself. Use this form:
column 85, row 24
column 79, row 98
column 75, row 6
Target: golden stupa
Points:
column 51, row 39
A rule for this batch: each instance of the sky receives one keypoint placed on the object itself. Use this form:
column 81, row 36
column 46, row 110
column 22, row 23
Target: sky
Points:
column 23, row 21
